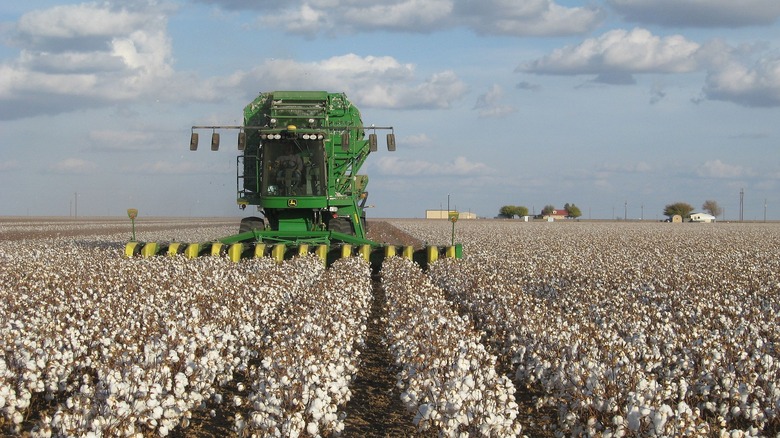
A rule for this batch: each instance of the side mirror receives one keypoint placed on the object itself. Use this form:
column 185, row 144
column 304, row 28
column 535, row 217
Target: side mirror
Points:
column 241, row 140
column 215, row 141
column 194, row 141
column 391, row 142
column 372, row 142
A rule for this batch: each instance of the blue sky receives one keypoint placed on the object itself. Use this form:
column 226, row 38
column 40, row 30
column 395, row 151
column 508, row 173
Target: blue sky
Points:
column 617, row 106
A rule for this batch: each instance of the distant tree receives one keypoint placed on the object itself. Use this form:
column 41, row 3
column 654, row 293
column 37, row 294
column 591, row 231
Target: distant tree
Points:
column 573, row 210
column 507, row 211
column 511, row 211
column 547, row 210
column 681, row 208
column 712, row 207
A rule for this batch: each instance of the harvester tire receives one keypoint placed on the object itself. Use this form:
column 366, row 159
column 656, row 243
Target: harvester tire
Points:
column 251, row 223
column 341, row 225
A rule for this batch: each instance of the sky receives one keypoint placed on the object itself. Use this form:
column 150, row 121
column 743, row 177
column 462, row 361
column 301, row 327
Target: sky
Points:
column 620, row 107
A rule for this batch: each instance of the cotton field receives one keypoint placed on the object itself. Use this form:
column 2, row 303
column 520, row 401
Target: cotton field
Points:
column 542, row 329
column 629, row 329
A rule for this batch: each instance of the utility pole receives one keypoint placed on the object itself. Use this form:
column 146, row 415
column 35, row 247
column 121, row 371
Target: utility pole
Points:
column 625, row 211
column 741, row 204
column 764, row 209
column 76, row 204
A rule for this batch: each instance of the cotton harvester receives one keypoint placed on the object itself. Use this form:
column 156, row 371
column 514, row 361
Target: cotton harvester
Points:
column 300, row 153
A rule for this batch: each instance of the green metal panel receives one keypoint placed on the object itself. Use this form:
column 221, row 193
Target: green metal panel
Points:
column 282, row 123
column 298, row 202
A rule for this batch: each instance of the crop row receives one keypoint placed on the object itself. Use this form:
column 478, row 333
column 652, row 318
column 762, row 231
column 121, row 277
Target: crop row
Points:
column 629, row 329
column 97, row 345
column 446, row 376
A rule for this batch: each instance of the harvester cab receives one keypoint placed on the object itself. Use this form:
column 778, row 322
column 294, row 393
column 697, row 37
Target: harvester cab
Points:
column 300, row 154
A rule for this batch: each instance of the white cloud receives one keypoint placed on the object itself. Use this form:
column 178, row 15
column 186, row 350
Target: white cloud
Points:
column 492, row 17
column 85, row 55
column 417, row 141
column 379, row 82
column 490, row 104
column 635, row 51
column 719, row 169
column 86, row 19
column 406, row 14
column 460, row 166
column 74, row 166
column 758, row 85
column 700, row 13
column 525, row 18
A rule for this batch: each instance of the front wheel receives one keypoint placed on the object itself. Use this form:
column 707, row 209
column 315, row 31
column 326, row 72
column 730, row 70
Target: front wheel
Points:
column 341, row 225
column 250, row 224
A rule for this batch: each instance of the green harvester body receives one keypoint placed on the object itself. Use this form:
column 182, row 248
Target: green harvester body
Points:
column 300, row 154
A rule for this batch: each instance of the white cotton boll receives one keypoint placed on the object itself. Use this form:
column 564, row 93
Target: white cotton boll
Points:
column 316, row 410
column 44, row 432
column 196, row 397
column 312, row 428
column 162, row 431
column 257, row 419
column 659, row 419
column 22, row 403
column 330, row 417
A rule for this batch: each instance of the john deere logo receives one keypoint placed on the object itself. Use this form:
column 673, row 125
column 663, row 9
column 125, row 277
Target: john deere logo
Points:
column 292, row 202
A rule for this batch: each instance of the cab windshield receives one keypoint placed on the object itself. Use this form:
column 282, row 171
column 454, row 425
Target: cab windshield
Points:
column 293, row 167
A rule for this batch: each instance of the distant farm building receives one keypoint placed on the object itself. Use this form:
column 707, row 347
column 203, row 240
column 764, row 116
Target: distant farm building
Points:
column 556, row 215
column 702, row 217
column 677, row 219
column 443, row 214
